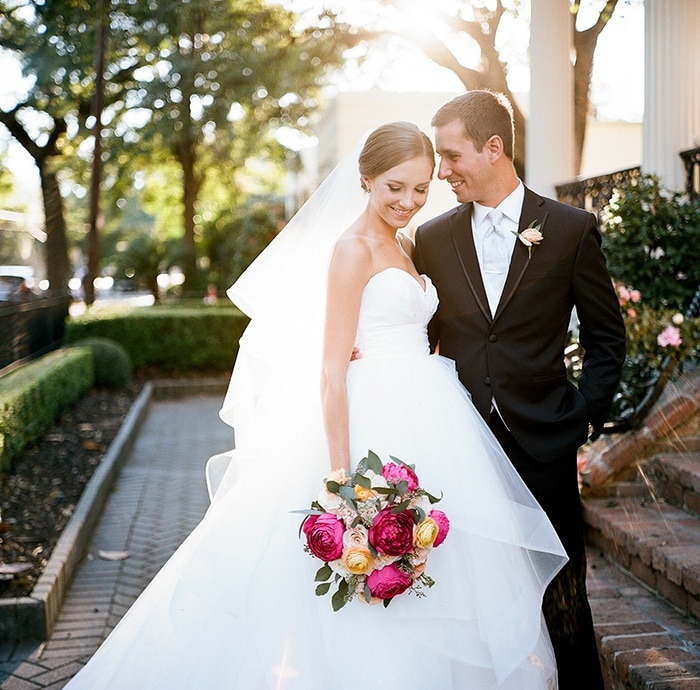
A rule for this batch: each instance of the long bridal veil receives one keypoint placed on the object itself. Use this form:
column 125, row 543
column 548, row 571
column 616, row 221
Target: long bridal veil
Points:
column 283, row 292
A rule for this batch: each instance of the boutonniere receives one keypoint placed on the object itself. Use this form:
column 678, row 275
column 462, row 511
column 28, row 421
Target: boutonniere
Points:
column 531, row 236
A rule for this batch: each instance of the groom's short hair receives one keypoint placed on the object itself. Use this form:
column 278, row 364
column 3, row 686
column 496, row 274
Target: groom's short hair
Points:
column 482, row 113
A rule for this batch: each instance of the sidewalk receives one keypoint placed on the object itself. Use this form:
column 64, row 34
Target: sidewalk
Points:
column 158, row 498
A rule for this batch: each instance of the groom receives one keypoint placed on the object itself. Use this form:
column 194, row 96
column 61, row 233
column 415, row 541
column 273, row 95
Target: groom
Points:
column 503, row 317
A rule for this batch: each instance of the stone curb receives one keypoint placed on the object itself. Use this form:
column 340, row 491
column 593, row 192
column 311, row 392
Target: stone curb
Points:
column 33, row 617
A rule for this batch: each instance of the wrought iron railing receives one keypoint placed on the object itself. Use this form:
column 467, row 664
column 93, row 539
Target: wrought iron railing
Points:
column 29, row 329
column 691, row 161
column 594, row 193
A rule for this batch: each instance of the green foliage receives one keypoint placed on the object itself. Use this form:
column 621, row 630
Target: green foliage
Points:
column 237, row 236
column 651, row 239
column 33, row 396
column 113, row 367
column 167, row 338
column 659, row 343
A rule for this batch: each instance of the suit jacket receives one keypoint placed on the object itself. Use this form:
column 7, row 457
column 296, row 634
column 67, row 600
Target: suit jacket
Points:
column 517, row 357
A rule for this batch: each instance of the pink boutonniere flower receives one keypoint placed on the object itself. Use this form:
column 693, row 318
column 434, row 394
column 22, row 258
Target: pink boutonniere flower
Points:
column 531, row 236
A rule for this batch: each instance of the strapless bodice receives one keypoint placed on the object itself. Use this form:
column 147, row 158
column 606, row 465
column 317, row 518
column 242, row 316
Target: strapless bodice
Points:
column 394, row 314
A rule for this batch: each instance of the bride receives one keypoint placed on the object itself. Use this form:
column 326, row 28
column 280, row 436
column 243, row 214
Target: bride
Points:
column 235, row 606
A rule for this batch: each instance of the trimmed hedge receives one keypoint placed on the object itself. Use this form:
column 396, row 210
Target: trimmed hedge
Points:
column 167, row 338
column 33, row 397
column 113, row 367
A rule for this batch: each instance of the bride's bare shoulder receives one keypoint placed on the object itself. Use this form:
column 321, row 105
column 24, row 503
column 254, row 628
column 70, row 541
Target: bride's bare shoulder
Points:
column 407, row 243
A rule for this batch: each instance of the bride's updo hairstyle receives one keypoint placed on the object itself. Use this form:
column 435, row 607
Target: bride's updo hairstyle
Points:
column 390, row 145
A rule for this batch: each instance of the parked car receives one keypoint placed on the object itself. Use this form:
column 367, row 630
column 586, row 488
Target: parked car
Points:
column 16, row 284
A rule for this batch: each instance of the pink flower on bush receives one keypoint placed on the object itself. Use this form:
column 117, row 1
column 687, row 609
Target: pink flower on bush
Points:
column 388, row 582
column 394, row 473
column 443, row 524
column 669, row 337
column 632, row 313
column 392, row 533
column 324, row 535
column 635, row 296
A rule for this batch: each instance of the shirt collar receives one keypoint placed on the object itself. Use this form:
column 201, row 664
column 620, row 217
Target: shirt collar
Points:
column 510, row 207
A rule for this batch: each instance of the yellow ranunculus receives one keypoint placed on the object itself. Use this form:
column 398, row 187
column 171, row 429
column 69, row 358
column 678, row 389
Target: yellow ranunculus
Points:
column 358, row 560
column 426, row 533
column 362, row 493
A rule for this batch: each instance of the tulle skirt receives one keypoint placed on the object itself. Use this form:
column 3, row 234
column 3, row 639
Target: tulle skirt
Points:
column 235, row 605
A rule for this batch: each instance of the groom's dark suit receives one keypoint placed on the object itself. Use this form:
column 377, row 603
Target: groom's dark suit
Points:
column 517, row 359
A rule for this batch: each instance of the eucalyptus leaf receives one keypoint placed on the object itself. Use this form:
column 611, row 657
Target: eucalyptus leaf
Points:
column 402, row 486
column 323, row 573
column 433, row 499
column 401, row 462
column 332, row 487
column 340, row 598
column 400, row 507
column 323, row 589
column 374, row 463
column 348, row 493
column 365, row 482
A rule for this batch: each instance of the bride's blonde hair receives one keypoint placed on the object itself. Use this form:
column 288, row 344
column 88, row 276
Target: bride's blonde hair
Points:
column 390, row 145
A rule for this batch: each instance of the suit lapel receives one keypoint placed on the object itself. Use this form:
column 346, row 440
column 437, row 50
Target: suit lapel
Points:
column 463, row 241
column 532, row 210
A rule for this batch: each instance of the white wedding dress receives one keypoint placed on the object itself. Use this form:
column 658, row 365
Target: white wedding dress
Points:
column 234, row 608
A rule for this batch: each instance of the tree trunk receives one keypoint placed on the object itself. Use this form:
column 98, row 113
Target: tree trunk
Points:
column 57, row 264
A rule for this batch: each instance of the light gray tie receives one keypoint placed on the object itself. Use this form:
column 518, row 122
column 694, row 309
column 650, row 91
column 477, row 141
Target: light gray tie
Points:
column 495, row 258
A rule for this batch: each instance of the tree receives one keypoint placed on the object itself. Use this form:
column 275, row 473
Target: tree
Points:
column 476, row 23
column 217, row 75
column 198, row 82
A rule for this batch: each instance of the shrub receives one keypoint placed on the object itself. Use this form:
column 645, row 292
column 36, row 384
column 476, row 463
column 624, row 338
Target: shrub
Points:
column 113, row 367
column 33, row 396
column 651, row 239
column 168, row 338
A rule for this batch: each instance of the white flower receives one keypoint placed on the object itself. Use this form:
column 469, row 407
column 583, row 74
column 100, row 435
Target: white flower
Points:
column 677, row 319
column 531, row 236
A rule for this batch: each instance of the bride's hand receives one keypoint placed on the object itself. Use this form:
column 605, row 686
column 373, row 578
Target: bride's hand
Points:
column 356, row 354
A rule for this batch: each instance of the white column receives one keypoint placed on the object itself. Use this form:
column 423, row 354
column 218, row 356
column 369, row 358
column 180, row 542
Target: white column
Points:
column 672, row 87
column 549, row 156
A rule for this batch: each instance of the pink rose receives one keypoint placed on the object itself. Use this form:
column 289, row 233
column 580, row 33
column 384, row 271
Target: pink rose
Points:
column 443, row 523
column 392, row 533
column 324, row 534
column 388, row 582
column 395, row 473
column 635, row 296
column 670, row 336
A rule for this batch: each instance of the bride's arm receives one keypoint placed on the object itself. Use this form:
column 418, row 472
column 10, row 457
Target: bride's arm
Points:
column 349, row 271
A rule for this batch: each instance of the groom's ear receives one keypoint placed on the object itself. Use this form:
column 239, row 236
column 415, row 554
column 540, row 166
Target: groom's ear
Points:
column 494, row 146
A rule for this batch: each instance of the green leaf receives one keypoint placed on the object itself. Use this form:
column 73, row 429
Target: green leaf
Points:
column 367, row 594
column 400, row 507
column 433, row 499
column 401, row 462
column 402, row 486
column 348, row 493
column 340, row 598
column 332, row 487
column 363, row 481
column 323, row 573
column 418, row 515
column 323, row 589
column 374, row 463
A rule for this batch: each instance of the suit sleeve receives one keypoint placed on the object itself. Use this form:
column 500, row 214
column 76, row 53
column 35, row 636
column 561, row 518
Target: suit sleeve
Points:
column 602, row 329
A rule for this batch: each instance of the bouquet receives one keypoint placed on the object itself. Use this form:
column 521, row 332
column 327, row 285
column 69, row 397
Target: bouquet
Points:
column 373, row 530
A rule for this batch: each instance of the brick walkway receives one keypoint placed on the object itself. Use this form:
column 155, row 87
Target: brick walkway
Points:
column 159, row 497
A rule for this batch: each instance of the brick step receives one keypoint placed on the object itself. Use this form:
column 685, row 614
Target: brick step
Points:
column 676, row 477
column 656, row 542
column 644, row 642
